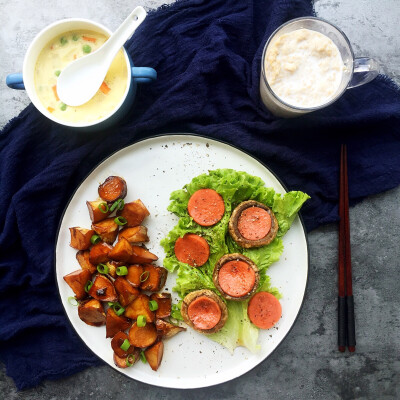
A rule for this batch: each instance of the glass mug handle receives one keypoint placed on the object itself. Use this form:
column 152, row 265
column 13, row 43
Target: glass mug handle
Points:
column 365, row 70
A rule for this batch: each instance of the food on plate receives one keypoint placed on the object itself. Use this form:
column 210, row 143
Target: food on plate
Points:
column 304, row 68
column 264, row 310
column 236, row 277
column 102, row 289
column 154, row 355
column 57, row 55
column 77, row 281
column 115, row 281
column 99, row 253
column 164, row 304
column 134, row 212
column 204, row 311
column 107, row 229
column 192, row 249
column 97, row 210
column 142, row 336
column 253, row 224
column 112, row 189
column 137, row 234
column 166, row 330
column 115, row 323
column 92, row 312
column 206, row 207
column 80, row 238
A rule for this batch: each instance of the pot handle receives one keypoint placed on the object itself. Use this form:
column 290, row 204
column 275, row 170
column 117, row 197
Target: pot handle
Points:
column 15, row 81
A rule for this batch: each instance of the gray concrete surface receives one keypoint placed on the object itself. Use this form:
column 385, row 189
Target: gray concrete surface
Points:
column 306, row 365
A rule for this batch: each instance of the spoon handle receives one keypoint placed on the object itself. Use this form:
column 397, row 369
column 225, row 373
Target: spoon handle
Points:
column 125, row 30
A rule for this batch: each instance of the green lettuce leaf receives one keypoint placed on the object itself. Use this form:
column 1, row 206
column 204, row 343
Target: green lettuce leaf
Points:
column 234, row 187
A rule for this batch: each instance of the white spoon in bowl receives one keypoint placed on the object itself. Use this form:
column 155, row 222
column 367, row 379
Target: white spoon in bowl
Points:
column 81, row 79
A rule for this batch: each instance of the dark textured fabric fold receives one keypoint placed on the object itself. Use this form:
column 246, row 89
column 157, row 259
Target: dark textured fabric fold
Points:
column 207, row 54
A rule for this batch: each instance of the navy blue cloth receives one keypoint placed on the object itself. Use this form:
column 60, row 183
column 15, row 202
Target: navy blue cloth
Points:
column 207, row 54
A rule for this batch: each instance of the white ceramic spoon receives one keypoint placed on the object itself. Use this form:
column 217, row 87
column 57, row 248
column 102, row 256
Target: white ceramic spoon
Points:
column 81, row 79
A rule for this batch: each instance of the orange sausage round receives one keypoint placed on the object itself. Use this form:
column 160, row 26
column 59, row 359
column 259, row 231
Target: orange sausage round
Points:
column 254, row 223
column 204, row 312
column 236, row 278
column 206, row 207
column 264, row 310
column 192, row 249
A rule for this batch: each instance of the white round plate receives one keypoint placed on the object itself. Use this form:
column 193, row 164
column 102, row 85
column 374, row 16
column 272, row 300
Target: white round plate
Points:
column 153, row 168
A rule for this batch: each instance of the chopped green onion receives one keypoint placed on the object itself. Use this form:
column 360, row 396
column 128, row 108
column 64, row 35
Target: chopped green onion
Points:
column 95, row 239
column 143, row 357
column 72, row 300
column 57, row 73
column 103, row 207
column 144, row 276
column 86, row 48
column 122, row 271
column 141, row 321
column 125, row 345
column 63, row 40
column 115, row 205
column 110, row 303
column 120, row 221
column 75, row 38
column 121, row 204
column 130, row 360
column 103, row 268
column 153, row 305
column 63, row 106
column 118, row 309
column 88, row 286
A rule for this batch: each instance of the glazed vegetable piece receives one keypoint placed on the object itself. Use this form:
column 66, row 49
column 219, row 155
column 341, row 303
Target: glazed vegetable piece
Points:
column 164, row 303
column 192, row 249
column 135, row 275
column 137, row 234
column 80, row 238
column 264, row 310
column 126, row 292
column 206, row 207
column 140, row 306
column 82, row 257
column 204, row 311
column 141, row 256
column 166, row 330
column 134, row 213
column 122, row 339
column 96, row 214
column 128, row 361
column 77, row 281
column 92, row 312
column 154, row 355
column 155, row 279
column 142, row 336
column 113, row 188
column 122, row 251
column 107, row 229
column 115, row 323
column 99, row 253
column 103, row 289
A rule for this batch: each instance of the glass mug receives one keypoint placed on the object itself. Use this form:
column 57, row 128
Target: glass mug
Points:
column 357, row 71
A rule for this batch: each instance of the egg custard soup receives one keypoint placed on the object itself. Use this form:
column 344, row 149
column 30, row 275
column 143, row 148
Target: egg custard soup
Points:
column 60, row 52
column 304, row 68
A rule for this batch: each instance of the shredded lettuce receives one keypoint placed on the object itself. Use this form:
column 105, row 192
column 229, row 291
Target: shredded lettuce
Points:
column 234, row 187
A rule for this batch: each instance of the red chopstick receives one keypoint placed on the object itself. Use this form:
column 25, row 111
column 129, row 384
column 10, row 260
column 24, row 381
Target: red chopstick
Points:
column 346, row 325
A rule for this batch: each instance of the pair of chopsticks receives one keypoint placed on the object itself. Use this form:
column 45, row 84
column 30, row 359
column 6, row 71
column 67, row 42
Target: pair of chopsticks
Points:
column 346, row 326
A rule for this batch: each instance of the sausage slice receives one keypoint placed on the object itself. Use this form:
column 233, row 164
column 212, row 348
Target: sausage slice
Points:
column 236, row 276
column 253, row 224
column 113, row 188
column 192, row 249
column 206, row 207
column 204, row 311
column 264, row 310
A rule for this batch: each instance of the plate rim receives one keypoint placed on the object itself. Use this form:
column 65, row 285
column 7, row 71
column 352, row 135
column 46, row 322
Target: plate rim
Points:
column 160, row 135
